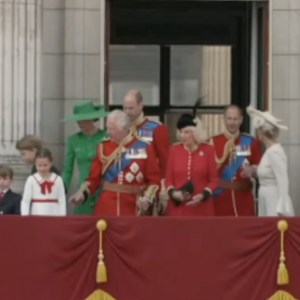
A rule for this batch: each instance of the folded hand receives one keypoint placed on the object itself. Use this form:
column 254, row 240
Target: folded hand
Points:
column 195, row 200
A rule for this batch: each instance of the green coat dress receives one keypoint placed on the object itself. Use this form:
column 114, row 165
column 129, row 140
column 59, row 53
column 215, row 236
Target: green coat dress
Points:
column 82, row 149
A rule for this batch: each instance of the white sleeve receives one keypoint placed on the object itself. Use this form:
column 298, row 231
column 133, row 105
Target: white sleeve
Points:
column 279, row 167
column 61, row 194
column 27, row 197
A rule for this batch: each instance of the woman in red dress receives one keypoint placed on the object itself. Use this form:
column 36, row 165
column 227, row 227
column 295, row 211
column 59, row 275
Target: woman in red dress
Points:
column 191, row 171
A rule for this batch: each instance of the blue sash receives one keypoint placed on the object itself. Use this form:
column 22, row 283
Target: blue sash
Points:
column 232, row 168
column 115, row 168
column 146, row 131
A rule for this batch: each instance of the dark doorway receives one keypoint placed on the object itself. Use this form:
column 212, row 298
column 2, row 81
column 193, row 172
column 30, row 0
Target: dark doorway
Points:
column 168, row 43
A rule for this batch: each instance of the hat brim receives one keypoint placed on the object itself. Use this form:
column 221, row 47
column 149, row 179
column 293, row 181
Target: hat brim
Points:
column 86, row 117
column 252, row 112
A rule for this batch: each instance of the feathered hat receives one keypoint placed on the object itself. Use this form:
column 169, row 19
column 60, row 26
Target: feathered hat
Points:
column 186, row 120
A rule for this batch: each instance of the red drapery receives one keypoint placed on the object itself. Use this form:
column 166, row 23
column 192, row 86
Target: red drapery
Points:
column 146, row 258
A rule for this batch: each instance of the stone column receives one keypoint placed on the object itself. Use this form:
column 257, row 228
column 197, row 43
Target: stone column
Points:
column 20, row 54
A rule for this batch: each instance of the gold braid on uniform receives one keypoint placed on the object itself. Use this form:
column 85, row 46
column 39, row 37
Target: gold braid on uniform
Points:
column 229, row 146
column 107, row 160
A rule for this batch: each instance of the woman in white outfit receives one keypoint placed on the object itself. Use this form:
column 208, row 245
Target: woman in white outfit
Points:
column 274, row 199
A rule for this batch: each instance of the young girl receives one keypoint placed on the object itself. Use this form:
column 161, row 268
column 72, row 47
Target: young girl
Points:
column 44, row 192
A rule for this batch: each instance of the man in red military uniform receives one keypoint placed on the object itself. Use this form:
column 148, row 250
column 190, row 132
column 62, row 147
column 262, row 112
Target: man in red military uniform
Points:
column 237, row 156
column 153, row 132
column 127, row 168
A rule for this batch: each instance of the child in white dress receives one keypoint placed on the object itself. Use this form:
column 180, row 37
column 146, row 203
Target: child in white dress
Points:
column 44, row 192
column 272, row 172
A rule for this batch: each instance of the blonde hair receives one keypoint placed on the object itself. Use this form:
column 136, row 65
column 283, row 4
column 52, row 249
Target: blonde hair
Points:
column 198, row 131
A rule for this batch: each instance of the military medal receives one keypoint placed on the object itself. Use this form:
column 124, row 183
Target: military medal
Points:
column 242, row 150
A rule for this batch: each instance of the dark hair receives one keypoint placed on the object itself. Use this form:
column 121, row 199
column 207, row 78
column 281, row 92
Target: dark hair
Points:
column 6, row 171
column 44, row 153
column 240, row 110
column 29, row 142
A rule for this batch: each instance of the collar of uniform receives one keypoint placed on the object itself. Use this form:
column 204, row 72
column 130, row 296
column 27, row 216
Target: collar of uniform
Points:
column 139, row 120
column 231, row 136
column 127, row 139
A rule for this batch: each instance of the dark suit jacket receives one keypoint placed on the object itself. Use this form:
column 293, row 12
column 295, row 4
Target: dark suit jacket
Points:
column 10, row 204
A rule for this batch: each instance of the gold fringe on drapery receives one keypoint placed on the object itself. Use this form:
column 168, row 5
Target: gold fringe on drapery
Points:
column 282, row 272
column 101, row 275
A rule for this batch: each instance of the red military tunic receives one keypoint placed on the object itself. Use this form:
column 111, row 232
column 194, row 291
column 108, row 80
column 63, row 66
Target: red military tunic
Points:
column 127, row 172
column 198, row 166
column 157, row 134
column 234, row 196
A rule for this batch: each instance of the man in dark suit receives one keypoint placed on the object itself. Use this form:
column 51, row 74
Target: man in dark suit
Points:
column 9, row 201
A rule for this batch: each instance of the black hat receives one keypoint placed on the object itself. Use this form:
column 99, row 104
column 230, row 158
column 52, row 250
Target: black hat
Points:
column 186, row 120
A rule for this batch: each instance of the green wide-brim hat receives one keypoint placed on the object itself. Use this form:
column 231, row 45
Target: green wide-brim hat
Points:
column 86, row 110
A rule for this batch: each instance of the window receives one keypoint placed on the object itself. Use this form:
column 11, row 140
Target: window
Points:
column 134, row 67
column 172, row 78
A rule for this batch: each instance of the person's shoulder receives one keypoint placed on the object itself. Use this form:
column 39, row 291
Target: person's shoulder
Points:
column 207, row 147
column 152, row 123
column 217, row 136
column 105, row 139
column 248, row 135
column 58, row 178
column 74, row 137
column 176, row 146
column 102, row 135
column 276, row 149
column 31, row 177
column 15, row 196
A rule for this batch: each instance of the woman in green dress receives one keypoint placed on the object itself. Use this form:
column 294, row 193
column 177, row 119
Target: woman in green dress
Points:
column 82, row 147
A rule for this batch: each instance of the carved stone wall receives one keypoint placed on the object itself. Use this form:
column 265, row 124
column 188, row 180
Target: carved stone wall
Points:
column 20, row 53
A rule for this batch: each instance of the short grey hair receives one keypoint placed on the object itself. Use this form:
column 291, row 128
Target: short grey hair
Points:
column 121, row 119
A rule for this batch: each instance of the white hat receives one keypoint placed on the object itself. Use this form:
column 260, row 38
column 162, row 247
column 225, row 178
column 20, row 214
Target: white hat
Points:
column 261, row 118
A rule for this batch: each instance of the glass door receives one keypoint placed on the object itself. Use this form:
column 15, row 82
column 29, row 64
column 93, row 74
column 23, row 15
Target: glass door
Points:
column 135, row 67
column 199, row 72
column 177, row 51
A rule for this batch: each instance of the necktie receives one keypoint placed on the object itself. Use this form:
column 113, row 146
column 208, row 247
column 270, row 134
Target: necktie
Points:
column 2, row 195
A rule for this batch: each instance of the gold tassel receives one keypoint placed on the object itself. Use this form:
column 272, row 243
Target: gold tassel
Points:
column 101, row 295
column 101, row 268
column 282, row 273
